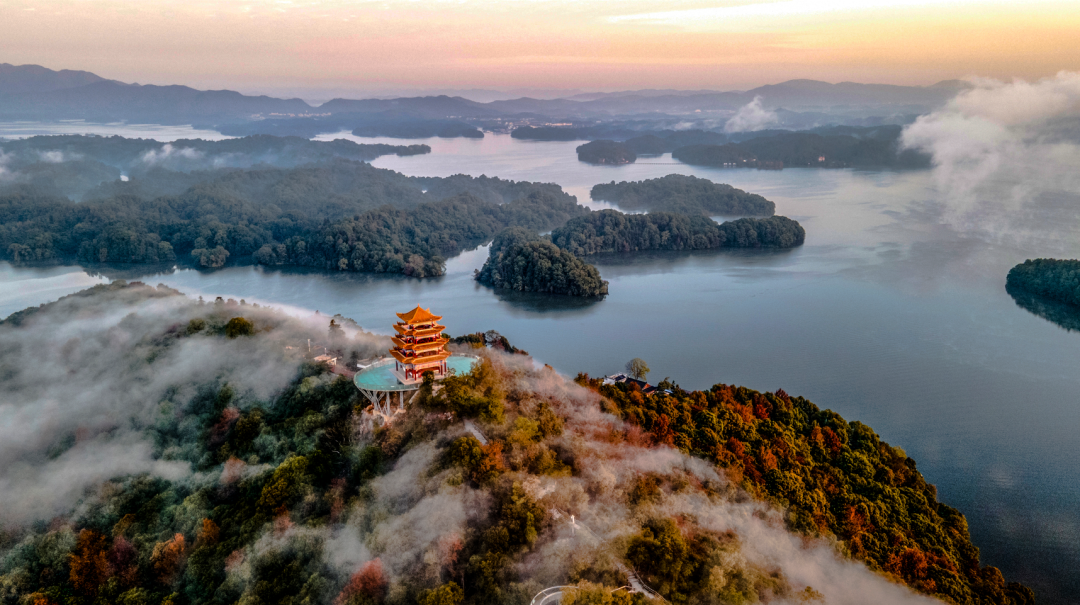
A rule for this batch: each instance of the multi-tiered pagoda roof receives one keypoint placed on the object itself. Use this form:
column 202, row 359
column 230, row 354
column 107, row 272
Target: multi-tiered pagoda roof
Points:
column 419, row 345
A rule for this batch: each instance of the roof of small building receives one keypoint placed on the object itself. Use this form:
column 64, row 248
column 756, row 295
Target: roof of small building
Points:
column 645, row 387
column 418, row 315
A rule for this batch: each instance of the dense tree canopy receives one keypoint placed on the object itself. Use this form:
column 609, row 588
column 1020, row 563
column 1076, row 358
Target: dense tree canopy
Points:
column 1055, row 279
column 367, row 219
column 72, row 165
column 519, row 260
column 610, row 231
column 415, row 242
column 804, row 149
column 686, row 194
column 834, row 477
column 605, row 152
column 298, row 495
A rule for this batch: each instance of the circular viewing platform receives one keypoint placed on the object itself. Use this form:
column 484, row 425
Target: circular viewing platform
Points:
column 381, row 377
column 378, row 382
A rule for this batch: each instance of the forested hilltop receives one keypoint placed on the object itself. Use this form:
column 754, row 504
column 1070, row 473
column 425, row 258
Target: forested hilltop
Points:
column 833, row 477
column 822, row 147
column 610, row 231
column 604, row 152
column 339, row 215
column 72, row 165
column 802, row 149
column 233, row 468
column 521, row 260
column 1055, row 279
column 687, row 194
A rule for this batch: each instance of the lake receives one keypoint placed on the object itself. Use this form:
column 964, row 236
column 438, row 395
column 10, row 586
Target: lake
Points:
column 886, row 315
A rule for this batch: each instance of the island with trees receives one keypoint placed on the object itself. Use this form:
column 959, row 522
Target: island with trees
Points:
column 609, row 231
column 607, row 153
column 256, row 473
column 338, row 214
column 806, row 149
column 522, row 261
column 1052, row 278
column 820, row 147
column 685, row 194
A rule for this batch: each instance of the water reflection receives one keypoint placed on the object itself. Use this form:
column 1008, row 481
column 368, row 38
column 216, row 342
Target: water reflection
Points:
column 160, row 132
column 1064, row 315
column 531, row 302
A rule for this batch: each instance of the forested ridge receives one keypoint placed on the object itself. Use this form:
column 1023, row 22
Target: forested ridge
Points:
column 822, row 147
column 72, row 165
column 416, row 242
column 687, row 194
column 343, row 215
column 294, row 494
column 804, row 149
column 609, row 231
column 834, row 478
column 605, row 152
column 1050, row 277
column 522, row 261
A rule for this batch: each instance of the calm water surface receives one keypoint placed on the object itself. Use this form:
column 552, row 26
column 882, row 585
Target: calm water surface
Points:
column 884, row 315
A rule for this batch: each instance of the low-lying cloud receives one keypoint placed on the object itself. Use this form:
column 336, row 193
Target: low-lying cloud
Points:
column 752, row 117
column 167, row 152
column 77, row 392
column 1007, row 158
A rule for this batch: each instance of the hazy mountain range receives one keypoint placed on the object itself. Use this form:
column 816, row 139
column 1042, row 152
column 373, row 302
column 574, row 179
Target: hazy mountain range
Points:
column 32, row 92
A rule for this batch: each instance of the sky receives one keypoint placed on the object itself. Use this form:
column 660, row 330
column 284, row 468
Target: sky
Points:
column 275, row 46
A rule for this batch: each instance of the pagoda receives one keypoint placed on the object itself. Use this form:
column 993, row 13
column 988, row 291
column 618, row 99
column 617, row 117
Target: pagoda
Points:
column 419, row 346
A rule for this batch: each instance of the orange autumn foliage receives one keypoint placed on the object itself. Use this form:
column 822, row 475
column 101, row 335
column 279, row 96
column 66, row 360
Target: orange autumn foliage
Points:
column 168, row 558
column 89, row 563
column 369, row 581
column 491, row 463
column 208, row 534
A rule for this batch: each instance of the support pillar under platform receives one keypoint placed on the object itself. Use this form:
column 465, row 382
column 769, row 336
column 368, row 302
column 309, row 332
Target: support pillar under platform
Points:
column 384, row 401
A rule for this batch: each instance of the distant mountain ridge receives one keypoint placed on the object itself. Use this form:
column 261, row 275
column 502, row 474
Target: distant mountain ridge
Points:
column 19, row 79
column 32, row 92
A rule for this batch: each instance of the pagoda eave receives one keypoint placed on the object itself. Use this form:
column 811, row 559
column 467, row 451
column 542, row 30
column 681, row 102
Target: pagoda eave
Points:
column 419, row 359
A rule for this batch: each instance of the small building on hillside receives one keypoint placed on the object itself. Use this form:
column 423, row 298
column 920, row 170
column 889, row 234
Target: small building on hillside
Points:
column 329, row 360
column 645, row 387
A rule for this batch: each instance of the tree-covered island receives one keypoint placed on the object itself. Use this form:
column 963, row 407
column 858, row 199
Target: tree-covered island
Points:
column 806, row 149
column 173, row 206
column 605, row 152
column 1049, row 277
column 522, row 261
column 686, row 194
column 610, row 231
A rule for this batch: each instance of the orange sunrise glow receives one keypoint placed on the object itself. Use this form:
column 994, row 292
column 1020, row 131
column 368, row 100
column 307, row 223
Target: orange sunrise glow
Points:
column 262, row 45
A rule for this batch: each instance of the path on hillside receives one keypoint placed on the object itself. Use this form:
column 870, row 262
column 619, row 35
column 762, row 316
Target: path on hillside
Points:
column 475, row 432
column 636, row 583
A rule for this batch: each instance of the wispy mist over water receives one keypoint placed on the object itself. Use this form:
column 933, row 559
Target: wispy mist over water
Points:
column 1006, row 158
column 159, row 132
